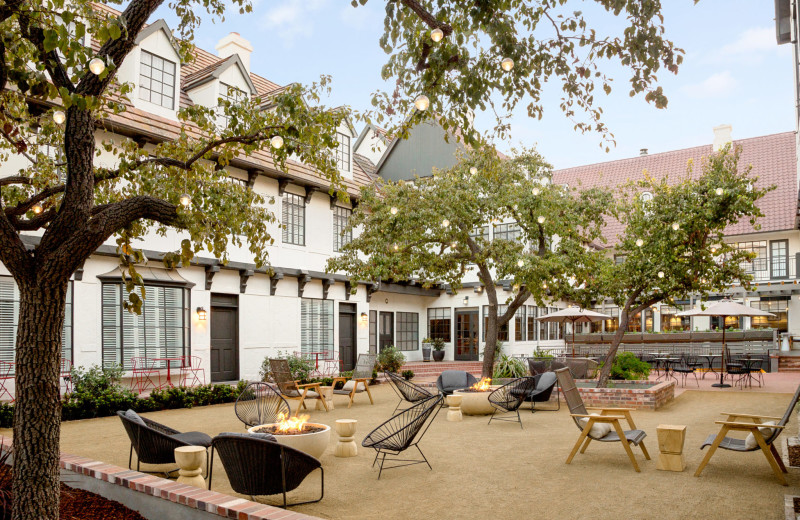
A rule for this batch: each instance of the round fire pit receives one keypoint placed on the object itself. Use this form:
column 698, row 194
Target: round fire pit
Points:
column 312, row 440
column 475, row 402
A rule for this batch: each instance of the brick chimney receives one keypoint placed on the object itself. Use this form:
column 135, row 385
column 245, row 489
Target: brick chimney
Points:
column 235, row 44
column 643, row 151
column 722, row 136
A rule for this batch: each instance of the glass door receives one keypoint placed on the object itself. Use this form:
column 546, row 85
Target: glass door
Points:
column 466, row 341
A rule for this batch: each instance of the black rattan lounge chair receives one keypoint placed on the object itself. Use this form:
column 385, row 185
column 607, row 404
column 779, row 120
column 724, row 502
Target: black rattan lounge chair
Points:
column 401, row 432
column 542, row 390
column 609, row 416
column 406, row 390
column 452, row 380
column 259, row 403
column 763, row 441
column 508, row 398
column 155, row 443
column 258, row 465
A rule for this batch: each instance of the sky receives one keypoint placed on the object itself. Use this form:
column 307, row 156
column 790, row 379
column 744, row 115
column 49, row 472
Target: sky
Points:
column 734, row 73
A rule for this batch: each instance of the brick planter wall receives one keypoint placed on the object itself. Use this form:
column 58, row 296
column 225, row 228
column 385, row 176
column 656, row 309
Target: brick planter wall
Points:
column 789, row 364
column 651, row 398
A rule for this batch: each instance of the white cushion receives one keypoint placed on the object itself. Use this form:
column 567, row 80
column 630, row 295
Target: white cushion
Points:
column 349, row 386
column 751, row 443
column 599, row 430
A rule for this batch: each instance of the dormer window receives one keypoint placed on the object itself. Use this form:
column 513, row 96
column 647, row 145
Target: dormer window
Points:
column 231, row 94
column 343, row 152
column 157, row 80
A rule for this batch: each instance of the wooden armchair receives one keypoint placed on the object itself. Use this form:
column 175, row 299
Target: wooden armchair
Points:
column 361, row 375
column 291, row 389
column 752, row 424
column 604, row 427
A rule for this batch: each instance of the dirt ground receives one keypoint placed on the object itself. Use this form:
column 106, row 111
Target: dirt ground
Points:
column 502, row 471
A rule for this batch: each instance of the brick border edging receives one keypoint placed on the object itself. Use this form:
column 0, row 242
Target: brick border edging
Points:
column 220, row 504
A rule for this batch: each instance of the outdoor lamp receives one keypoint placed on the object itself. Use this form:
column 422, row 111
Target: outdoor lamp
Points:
column 393, row 211
column 395, row 247
column 675, row 226
column 59, row 117
column 713, row 249
column 520, row 262
column 276, row 142
column 639, row 242
column 536, row 191
column 453, row 245
column 473, row 170
column 201, row 313
column 186, row 200
column 437, row 35
column 363, row 318
column 445, row 223
column 719, row 191
column 661, row 274
column 37, row 208
column 507, row 64
column 465, row 301
column 97, row 66
column 422, row 102
column 540, row 220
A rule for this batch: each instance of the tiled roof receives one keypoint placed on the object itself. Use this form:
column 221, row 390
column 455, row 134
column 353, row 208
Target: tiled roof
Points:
column 366, row 165
column 773, row 158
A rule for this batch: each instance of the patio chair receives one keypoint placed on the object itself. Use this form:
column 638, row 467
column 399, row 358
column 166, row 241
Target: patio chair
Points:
column 687, row 365
column 508, row 398
column 542, row 390
column 191, row 374
column 155, row 443
column 401, row 432
column 406, row 390
column 7, row 378
column 362, row 375
column 451, row 380
column 65, row 374
column 761, row 435
column 598, row 427
column 258, row 465
column 259, row 403
column 143, row 369
column 290, row 389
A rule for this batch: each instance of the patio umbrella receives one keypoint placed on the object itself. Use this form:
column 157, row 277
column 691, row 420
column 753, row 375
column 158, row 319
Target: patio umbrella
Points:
column 723, row 309
column 574, row 315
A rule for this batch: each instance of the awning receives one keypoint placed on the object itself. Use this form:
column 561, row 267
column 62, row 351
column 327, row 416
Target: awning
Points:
column 151, row 275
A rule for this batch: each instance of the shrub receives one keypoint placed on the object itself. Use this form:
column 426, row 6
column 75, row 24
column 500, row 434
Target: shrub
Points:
column 544, row 354
column 407, row 374
column 96, row 379
column 508, row 367
column 628, row 366
column 438, row 344
column 300, row 367
column 390, row 359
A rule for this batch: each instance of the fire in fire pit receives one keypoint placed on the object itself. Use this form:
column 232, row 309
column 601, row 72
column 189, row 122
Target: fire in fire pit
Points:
column 290, row 426
column 482, row 385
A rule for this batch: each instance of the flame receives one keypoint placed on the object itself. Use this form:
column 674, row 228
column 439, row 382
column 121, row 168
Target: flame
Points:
column 286, row 424
column 482, row 385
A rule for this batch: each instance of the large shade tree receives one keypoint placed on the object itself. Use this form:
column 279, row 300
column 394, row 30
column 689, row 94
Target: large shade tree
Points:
column 672, row 245
column 435, row 230
column 71, row 191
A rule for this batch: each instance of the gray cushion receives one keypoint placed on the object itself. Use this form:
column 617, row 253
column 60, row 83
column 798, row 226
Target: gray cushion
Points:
column 546, row 380
column 454, row 379
column 134, row 417
column 264, row 436
column 194, row 438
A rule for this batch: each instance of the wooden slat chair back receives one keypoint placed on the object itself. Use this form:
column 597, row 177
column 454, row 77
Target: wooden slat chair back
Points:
column 290, row 389
column 362, row 375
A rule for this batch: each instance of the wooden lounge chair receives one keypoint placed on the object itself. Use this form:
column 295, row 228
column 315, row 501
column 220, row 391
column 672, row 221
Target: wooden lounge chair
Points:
column 763, row 441
column 290, row 389
column 361, row 375
column 608, row 416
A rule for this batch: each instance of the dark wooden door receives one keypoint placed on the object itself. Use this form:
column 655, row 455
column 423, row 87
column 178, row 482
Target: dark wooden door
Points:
column 347, row 335
column 386, row 330
column 224, row 338
column 466, row 344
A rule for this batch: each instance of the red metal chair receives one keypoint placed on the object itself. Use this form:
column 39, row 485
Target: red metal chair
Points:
column 143, row 368
column 191, row 373
column 6, row 374
column 66, row 375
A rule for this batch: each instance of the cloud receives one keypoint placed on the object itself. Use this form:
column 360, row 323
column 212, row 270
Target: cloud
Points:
column 717, row 85
column 292, row 19
column 752, row 46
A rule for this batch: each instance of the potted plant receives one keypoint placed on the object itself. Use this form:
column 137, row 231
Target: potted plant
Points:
column 426, row 349
column 408, row 374
column 438, row 349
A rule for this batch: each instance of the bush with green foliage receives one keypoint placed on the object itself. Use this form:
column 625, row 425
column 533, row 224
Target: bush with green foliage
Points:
column 390, row 359
column 508, row 367
column 543, row 354
column 407, row 374
column 438, row 344
column 627, row 366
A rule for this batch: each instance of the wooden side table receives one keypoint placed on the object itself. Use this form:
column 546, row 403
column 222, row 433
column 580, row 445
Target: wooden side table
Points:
column 454, row 410
column 190, row 461
column 346, row 429
column 670, row 447
column 327, row 393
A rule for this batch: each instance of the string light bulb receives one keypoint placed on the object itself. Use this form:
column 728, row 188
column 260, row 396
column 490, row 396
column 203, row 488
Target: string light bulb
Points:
column 713, row 249
column 97, row 66
column 520, row 262
column 719, row 191
column 185, row 200
column 445, row 223
column 507, row 64
column 37, row 208
column 540, row 220
column 536, row 191
column 59, row 117
column 276, row 142
column 661, row 274
column 675, row 226
column 639, row 242
column 422, row 102
column 453, row 245
column 395, row 247
column 393, row 211
column 473, row 170
column 437, row 35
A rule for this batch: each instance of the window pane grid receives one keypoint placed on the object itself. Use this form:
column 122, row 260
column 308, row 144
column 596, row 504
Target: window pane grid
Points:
column 502, row 331
column 294, row 219
column 439, row 324
column 510, row 232
column 519, row 324
column 231, row 94
column 157, row 80
column 407, row 333
column 316, row 326
column 341, row 234
column 343, row 151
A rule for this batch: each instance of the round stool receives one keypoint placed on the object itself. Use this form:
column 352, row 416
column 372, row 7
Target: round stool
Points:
column 346, row 429
column 454, row 410
column 190, row 460
column 326, row 392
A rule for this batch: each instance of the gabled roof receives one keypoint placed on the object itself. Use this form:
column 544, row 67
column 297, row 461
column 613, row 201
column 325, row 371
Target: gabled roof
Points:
column 773, row 158
column 158, row 25
column 214, row 71
column 365, row 165
column 373, row 130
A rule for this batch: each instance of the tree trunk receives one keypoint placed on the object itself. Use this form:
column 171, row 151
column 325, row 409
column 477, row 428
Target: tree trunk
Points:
column 491, row 340
column 37, row 410
column 612, row 351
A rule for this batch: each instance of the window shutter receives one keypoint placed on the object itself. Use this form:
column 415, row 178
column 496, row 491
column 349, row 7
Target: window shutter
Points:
column 9, row 313
column 112, row 338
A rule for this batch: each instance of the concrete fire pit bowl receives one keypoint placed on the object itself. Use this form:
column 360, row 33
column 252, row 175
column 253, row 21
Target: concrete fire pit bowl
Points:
column 475, row 403
column 314, row 443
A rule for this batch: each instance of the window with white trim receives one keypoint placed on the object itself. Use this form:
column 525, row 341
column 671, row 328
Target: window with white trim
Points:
column 294, row 219
column 502, row 330
column 510, row 232
column 439, row 323
column 316, row 326
column 232, row 95
column 342, row 235
column 157, row 80
column 407, row 333
column 519, row 324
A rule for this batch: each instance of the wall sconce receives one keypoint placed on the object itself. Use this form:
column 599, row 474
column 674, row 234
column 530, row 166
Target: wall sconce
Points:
column 465, row 301
column 201, row 314
column 363, row 317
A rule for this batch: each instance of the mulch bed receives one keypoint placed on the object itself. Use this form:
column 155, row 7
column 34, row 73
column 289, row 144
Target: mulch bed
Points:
column 307, row 429
column 79, row 504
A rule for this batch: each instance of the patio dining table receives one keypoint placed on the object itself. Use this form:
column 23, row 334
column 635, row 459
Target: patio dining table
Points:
column 667, row 363
column 169, row 361
column 710, row 358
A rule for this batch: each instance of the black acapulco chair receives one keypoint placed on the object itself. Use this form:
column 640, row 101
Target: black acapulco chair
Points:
column 257, row 465
column 401, row 432
column 259, row 403
column 406, row 390
column 508, row 398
